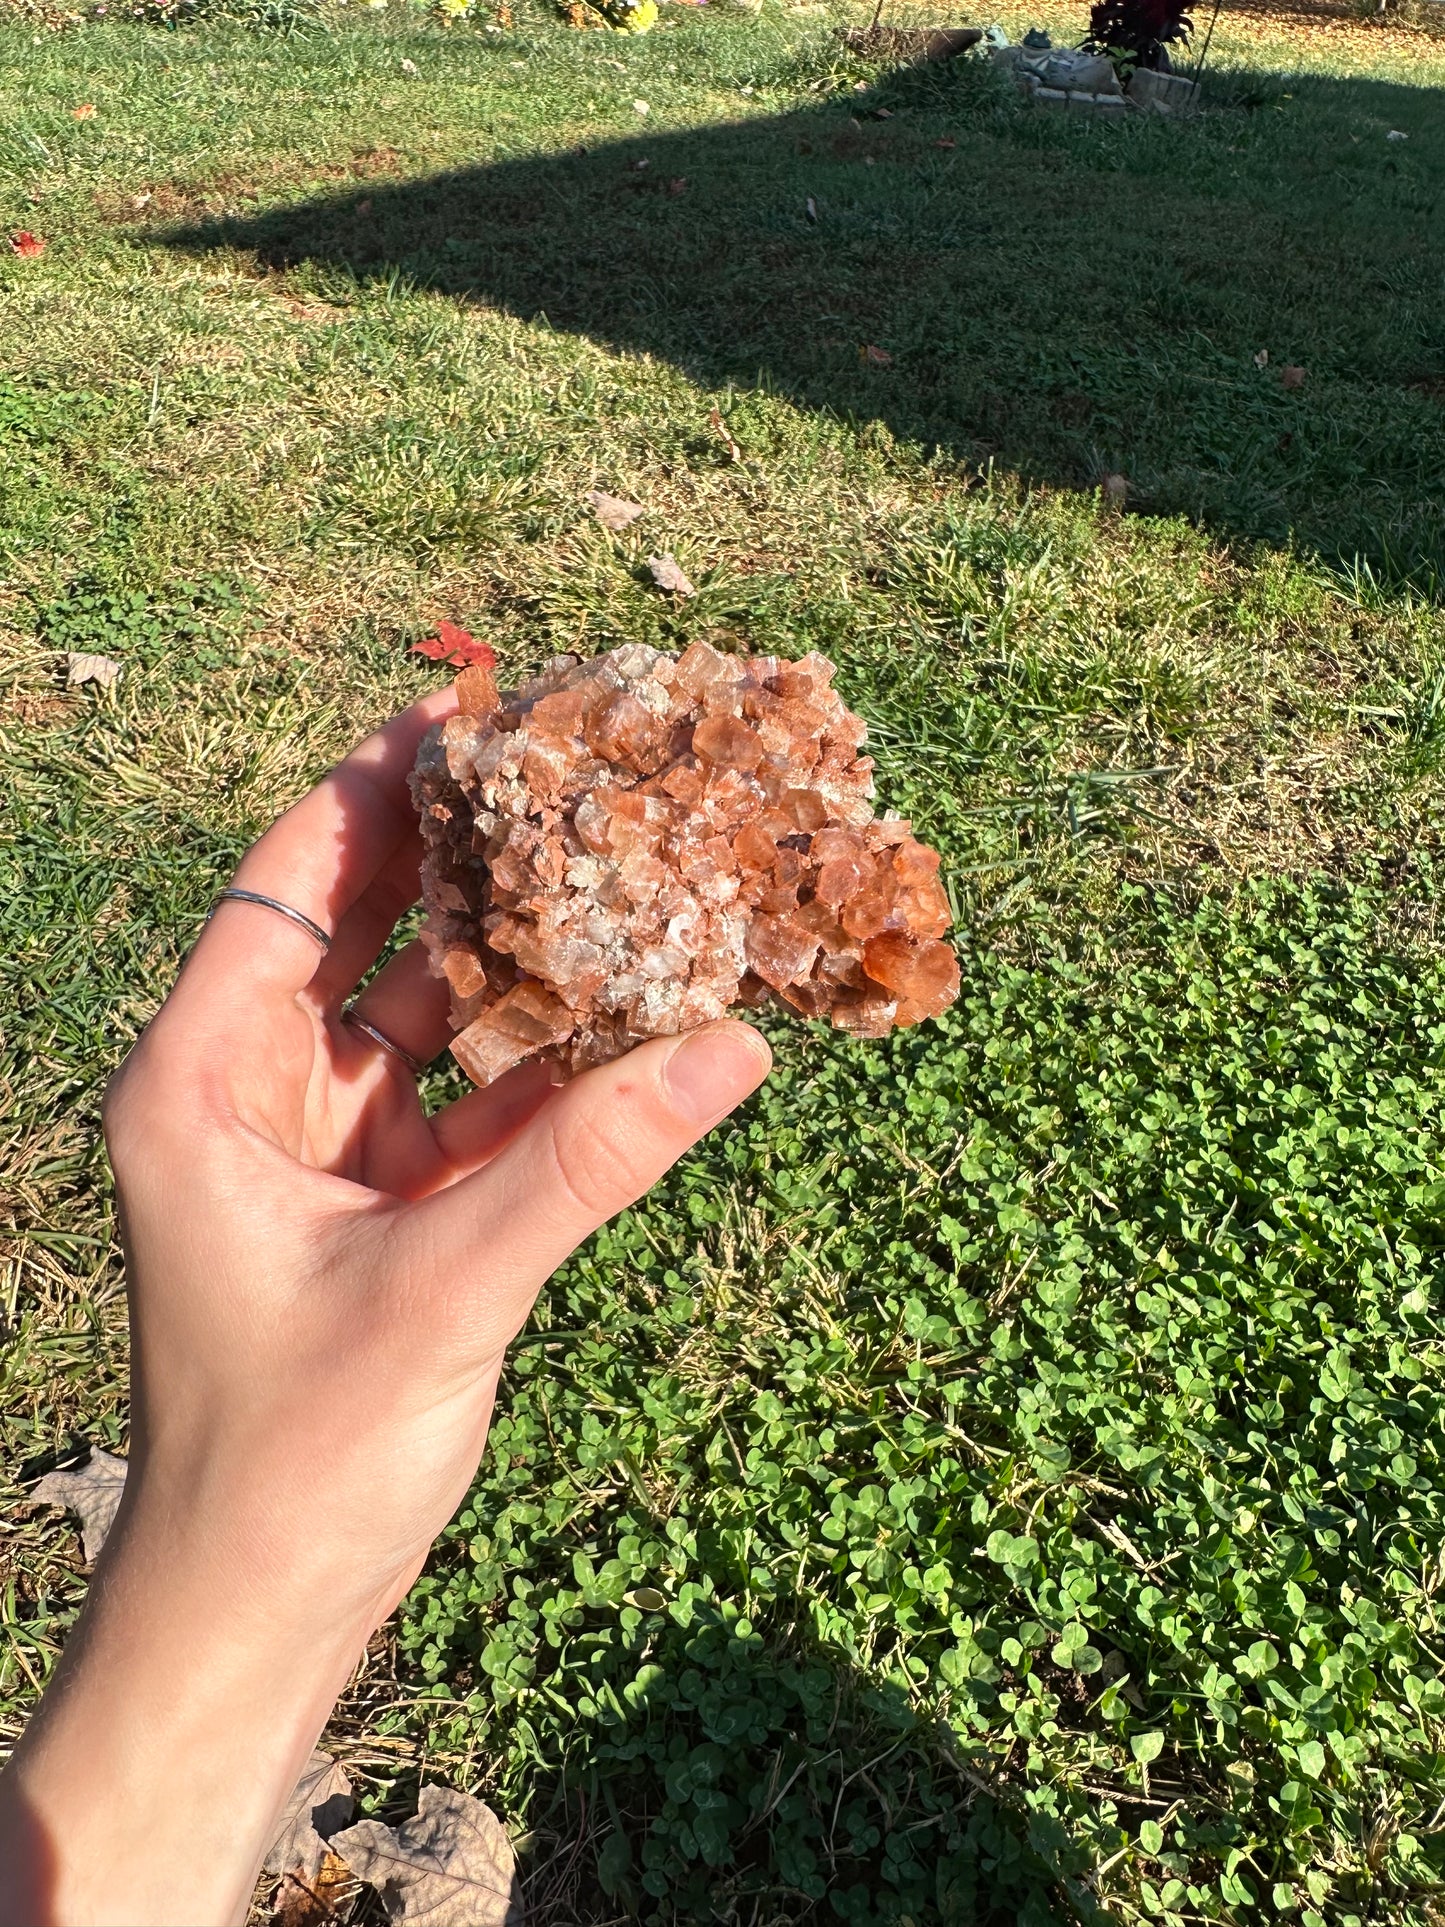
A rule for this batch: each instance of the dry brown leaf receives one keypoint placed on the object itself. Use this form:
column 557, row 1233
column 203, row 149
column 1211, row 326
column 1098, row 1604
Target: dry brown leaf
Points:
column 614, row 512
column 1115, row 490
column 725, row 435
column 1292, row 376
column 82, row 668
column 873, row 357
column 316, row 1902
column 321, row 1804
column 451, row 1865
column 667, row 575
column 93, row 1490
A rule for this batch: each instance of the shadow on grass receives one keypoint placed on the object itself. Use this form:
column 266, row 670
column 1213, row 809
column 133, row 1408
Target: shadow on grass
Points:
column 1066, row 298
column 748, row 1779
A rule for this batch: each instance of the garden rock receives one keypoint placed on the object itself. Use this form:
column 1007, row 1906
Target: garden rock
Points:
column 1065, row 77
column 1162, row 93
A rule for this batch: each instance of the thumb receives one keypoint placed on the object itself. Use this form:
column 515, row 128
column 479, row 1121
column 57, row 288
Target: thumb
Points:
column 593, row 1149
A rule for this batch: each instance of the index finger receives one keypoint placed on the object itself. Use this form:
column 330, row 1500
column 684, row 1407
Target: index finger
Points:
column 318, row 859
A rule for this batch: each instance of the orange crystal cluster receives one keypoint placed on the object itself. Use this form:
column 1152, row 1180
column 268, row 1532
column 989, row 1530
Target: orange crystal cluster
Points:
column 626, row 847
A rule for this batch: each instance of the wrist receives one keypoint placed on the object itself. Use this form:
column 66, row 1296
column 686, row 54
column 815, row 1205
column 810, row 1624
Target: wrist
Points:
column 245, row 1527
column 189, row 1697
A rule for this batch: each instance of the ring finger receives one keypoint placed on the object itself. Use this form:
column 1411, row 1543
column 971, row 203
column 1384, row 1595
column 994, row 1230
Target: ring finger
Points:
column 406, row 1003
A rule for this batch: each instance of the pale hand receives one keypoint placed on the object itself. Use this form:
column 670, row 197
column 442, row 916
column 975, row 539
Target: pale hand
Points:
column 323, row 1282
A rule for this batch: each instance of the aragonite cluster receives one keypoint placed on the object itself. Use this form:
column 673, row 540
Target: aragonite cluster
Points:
column 629, row 846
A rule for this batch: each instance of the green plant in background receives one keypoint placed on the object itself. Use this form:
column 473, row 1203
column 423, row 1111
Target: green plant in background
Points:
column 189, row 630
column 261, row 16
column 627, row 16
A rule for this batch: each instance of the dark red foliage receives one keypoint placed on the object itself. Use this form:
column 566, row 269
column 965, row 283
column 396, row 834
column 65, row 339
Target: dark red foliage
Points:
column 452, row 644
column 1142, row 29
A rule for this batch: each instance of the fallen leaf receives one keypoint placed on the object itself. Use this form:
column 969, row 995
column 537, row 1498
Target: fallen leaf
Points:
column 142, row 200
column 1291, row 376
column 725, row 435
column 363, row 208
column 408, row 66
column 1115, row 490
column 82, row 668
column 93, row 1490
column 26, row 244
column 614, row 512
column 641, row 165
column 452, row 644
column 314, row 1903
column 1395, row 135
column 641, row 107
column 946, row 143
column 882, row 113
column 875, row 357
column 812, row 209
column 83, row 112
column 450, row 1866
column 320, row 1806
column 678, row 185
column 1261, row 360
column 667, row 575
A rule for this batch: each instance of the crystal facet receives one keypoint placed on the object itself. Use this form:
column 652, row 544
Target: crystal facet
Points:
column 626, row 847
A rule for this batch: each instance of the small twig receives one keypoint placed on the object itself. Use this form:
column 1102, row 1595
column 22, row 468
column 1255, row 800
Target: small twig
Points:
column 1204, row 50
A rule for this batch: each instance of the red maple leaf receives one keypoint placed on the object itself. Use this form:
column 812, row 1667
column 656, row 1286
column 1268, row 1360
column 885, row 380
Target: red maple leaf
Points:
column 452, row 644
column 25, row 243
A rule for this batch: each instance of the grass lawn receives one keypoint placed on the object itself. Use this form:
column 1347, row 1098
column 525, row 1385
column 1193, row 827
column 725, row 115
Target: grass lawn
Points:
column 1000, row 1478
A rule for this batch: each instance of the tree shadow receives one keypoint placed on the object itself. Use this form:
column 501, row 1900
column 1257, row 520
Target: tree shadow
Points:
column 761, row 1779
column 751, row 1777
column 1063, row 297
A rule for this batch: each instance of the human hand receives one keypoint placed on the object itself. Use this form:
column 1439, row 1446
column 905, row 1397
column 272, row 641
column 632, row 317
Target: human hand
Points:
column 323, row 1282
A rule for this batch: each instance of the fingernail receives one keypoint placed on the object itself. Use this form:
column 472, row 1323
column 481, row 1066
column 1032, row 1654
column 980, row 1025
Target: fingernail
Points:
column 714, row 1069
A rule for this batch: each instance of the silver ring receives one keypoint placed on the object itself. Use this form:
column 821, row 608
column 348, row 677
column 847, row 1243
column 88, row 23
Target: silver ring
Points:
column 281, row 909
column 351, row 1015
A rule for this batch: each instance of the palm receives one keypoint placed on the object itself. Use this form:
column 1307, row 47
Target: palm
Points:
column 262, row 1005
column 329, row 1096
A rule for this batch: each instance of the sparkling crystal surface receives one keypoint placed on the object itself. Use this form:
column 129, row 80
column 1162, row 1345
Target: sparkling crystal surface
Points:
column 629, row 846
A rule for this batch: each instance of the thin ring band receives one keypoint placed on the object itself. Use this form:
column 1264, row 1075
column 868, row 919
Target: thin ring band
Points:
column 313, row 930
column 351, row 1015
